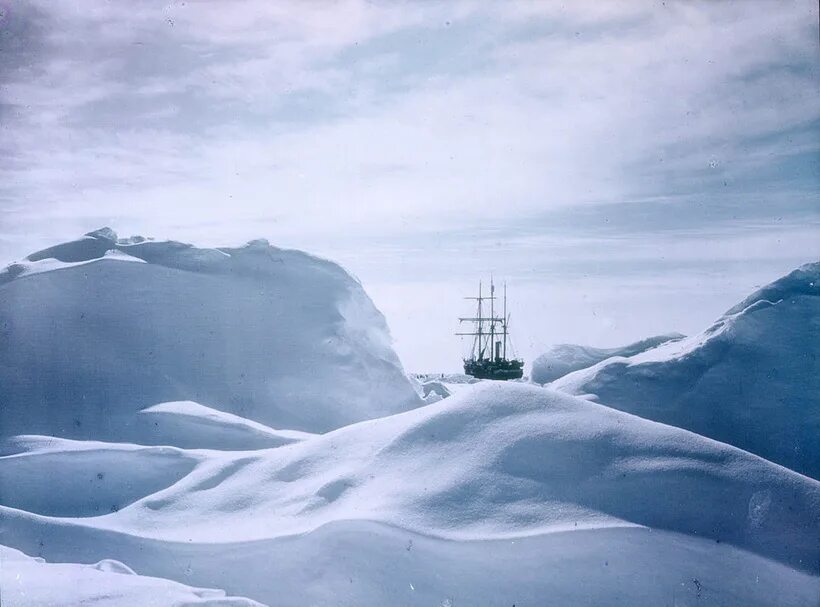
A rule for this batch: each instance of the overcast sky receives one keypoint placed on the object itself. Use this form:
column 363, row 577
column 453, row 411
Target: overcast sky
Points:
column 628, row 167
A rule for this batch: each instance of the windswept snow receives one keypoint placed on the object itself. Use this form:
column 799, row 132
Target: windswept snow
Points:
column 497, row 469
column 752, row 379
column 236, row 418
column 275, row 336
column 497, row 461
column 31, row 582
column 566, row 358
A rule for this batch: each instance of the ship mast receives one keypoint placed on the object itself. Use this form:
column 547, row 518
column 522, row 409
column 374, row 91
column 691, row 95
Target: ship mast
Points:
column 483, row 338
column 504, row 324
column 493, row 354
column 478, row 339
column 492, row 364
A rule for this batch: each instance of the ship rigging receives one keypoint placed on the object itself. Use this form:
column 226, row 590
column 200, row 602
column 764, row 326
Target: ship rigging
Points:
column 488, row 355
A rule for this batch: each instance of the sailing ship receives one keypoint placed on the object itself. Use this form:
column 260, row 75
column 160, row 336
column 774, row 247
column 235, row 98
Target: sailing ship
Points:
column 488, row 355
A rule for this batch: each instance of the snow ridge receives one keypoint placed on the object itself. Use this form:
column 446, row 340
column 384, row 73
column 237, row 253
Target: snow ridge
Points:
column 274, row 336
column 752, row 379
column 235, row 417
column 562, row 359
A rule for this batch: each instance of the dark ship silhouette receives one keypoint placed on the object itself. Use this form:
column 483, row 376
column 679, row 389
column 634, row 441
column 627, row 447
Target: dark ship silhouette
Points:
column 488, row 355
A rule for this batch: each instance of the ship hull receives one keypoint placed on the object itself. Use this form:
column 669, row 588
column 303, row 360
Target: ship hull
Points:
column 494, row 369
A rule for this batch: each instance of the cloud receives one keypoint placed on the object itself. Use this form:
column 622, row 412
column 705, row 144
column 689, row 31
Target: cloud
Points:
column 536, row 134
column 327, row 106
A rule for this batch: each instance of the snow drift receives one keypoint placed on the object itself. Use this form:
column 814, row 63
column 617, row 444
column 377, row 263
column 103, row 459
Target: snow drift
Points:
column 561, row 359
column 500, row 494
column 752, row 379
column 187, row 412
column 98, row 329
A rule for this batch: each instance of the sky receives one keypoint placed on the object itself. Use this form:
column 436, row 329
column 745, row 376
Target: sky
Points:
column 628, row 168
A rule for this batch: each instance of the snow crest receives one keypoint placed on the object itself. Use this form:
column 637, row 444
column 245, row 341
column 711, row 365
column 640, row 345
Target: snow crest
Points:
column 275, row 336
column 752, row 379
column 562, row 359
column 495, row 469
column 187, row 418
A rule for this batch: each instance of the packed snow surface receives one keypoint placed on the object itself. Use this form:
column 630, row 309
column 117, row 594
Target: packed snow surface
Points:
column 752, row 379
column 98, row 329
column 428, row 504
column 566, row 358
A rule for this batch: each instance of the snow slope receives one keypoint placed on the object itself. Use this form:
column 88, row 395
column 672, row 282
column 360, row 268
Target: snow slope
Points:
column 752, row 379
column 500, row 494
column 189, row 412
column 98, row 329
column 31, row 582
column 561, row 359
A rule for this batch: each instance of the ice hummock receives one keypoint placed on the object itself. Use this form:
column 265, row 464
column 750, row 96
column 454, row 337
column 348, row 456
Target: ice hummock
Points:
column 752, row 379
column 275, row 336
column 561, row 359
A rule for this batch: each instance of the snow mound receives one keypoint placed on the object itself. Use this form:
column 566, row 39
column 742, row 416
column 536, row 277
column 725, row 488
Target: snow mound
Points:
column 31, row 582
column 561, row 359
column 428, row 504
column 274, row 336
column 494, row 461
column 752, row 379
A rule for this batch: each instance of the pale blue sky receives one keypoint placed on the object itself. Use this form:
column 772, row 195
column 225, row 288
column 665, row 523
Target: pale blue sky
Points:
column 629, row 167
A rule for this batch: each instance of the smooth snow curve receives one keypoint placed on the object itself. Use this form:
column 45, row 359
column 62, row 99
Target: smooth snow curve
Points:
column 190, row 425
column 499, row 475
column 752, row 379
column 561, row 359
column 275, row 336
column 194, row 366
